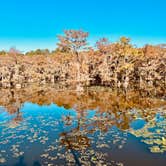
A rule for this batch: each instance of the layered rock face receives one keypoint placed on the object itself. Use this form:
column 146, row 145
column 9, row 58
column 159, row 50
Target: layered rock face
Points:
column 18, row 71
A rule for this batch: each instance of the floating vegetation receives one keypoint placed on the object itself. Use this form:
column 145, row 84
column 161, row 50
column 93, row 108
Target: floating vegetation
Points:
column 2, row 160
column 153, row 133
column 59, row 136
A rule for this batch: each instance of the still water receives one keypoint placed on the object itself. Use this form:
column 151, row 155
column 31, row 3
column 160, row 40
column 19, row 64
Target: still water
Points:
column 47, row 126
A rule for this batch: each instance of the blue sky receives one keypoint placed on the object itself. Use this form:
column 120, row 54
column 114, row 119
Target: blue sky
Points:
column 31, row 24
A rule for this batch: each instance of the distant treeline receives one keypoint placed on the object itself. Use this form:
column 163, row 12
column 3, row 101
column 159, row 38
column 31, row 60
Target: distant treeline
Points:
column 76, row 40
column 118, row 65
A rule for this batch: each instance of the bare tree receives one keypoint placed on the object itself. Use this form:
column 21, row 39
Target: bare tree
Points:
column 14, row 53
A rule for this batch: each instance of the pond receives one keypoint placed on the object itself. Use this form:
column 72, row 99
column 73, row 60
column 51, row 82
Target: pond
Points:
column 48, row 126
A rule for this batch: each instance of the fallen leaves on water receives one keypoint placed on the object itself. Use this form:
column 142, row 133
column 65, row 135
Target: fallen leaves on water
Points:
column 2, row 160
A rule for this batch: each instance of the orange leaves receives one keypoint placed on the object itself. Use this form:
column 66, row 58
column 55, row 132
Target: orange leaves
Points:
column 103, row 45
column 73, row 40
column 124, row 40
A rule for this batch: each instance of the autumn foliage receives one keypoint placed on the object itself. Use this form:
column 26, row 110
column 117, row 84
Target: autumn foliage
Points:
column 117, row 65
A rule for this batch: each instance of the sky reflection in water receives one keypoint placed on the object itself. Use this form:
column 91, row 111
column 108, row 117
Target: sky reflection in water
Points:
column 63, row 135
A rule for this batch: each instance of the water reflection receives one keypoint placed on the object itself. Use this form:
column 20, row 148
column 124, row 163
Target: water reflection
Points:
column 79, row 128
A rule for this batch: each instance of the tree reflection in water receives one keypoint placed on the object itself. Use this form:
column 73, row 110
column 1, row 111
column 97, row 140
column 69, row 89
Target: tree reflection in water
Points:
column 99, row 114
